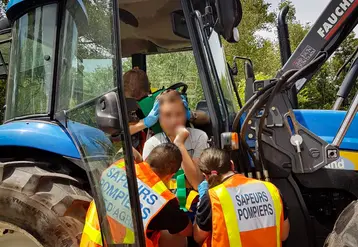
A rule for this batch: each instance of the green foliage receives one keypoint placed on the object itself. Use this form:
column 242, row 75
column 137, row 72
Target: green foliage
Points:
column 320, row 91
column 166, row 69
column 263, row 52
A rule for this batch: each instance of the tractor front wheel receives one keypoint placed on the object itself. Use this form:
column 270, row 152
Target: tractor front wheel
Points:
column 40, row 208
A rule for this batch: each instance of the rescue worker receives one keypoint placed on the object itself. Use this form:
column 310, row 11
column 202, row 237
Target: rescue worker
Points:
column 160, row 208
column 236, row 210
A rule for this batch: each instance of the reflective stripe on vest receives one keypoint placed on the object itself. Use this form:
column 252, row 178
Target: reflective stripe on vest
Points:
column 91, row 236
column 244, row 207
column 278, row 209
column 153, row 197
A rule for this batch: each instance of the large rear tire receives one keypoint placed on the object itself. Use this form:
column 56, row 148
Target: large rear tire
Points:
column 48, row 207
column 345, row 231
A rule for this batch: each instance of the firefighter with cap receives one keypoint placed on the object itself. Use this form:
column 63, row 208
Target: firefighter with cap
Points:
column 235, row 210
column 160, row 208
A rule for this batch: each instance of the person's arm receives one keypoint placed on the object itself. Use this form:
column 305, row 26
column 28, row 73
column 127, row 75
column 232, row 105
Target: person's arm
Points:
column 135, row 128
column 137, row 157
column 203, row 221
column 191, row 170
column 148, row 121
column 200, row 235
column 285, row 230
column 188, row 231
column 172, row 219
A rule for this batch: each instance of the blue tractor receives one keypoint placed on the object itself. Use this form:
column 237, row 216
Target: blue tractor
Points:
column 66, row 117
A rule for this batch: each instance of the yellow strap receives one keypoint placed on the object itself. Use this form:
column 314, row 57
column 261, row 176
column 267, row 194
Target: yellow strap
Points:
column 129, row 238
column 278, row 210
column 121, row 164
column 93, row 234
column 228, row 209
column 191, row 197
column 172, row 185
column 159, row 187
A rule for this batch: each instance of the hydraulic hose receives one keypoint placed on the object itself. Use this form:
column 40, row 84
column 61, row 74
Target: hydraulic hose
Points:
column 263, row 95
column 345, row 63
column 276, row 89
column 244, row 148
column 249, row 103
column 259, row 103
column 289, row 78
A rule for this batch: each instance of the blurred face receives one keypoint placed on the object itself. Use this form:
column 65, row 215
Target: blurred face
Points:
column 171, row 116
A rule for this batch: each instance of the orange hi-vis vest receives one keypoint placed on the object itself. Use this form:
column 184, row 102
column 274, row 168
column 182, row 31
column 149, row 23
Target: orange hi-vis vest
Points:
column 245, row 213
column 154, row 195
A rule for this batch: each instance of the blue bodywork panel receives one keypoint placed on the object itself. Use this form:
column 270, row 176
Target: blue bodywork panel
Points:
column 40, row 135
column 14, row 2
column 93, row 142
column 52, row 138
column 325, row 124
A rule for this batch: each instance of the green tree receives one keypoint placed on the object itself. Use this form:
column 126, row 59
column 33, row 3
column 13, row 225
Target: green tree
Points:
column 166, row 69
column 263, row 52
column 256, row 17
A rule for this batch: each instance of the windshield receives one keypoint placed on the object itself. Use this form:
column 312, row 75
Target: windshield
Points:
column 219, row 74
column 31, row 63
column 217, row 52
column 86, row 64
column 4, row 63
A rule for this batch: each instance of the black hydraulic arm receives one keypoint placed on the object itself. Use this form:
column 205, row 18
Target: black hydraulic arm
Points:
column 347, row 85
column 337, row 20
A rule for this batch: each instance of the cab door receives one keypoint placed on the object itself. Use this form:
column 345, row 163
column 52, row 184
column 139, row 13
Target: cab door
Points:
column 89, row 73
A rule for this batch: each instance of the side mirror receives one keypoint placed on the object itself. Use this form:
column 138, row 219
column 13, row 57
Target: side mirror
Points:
column 229, row 13
column 107, row 114
column 179, row 24
column 249, row 75
column 249, row 80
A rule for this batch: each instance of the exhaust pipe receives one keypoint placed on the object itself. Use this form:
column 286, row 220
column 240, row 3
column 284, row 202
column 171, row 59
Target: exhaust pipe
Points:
column 283, row 35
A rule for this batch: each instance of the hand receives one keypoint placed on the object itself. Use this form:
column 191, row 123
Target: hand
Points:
column 153, row 115
column 203, row 188
column 181, row 135
column 186, row 105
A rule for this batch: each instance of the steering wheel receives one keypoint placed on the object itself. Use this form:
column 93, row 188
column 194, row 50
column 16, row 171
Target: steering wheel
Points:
column 179, row 85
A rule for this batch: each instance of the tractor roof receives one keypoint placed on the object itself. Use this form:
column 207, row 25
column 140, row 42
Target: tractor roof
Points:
column 146, row 27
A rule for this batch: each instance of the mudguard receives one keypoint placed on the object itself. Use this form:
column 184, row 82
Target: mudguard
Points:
column 40, row 135
column 51, row 137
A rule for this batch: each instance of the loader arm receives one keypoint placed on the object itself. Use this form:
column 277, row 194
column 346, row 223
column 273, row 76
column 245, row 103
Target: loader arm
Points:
column 335, row 23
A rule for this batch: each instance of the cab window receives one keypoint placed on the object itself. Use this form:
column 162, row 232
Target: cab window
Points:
column 166, row 69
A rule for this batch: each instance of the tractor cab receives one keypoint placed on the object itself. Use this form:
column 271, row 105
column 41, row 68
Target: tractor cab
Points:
column 66, row 114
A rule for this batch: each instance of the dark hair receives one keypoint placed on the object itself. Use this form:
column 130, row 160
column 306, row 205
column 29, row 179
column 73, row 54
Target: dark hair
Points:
column 169, row 95
column 136, row 83
column 214, row 162
column 165, row 159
